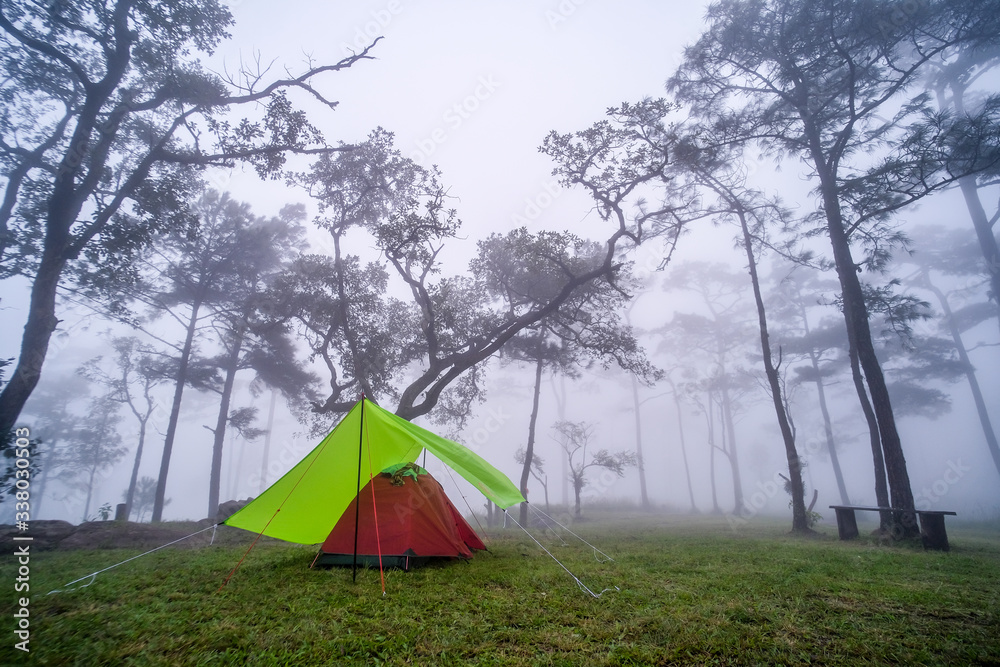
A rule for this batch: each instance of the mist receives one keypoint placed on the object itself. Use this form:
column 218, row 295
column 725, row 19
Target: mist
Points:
column 462, row 95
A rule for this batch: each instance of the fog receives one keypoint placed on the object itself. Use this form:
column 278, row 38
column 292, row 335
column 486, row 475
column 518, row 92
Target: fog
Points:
column 474, row 88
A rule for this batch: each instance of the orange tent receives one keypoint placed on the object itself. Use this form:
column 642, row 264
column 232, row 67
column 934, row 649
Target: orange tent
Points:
column 410, row 521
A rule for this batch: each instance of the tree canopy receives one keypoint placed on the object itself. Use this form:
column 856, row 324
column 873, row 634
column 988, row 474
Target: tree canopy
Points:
column 106, row 116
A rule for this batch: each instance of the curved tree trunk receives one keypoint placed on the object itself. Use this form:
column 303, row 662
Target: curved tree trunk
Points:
column 175, row 410
column 215, row 477
column 66, row 201
column 970, row 373
column 729, row 434
column 143, row 420
column 38, row 329
column 838, row 473
column 643, row 497
column 980, row 221
column 859, row 334
column 711, row 454
column 560, row 395
column 828, row 432
column 878, row 462
column 90, row 494
column 800, row 521
column 134, row 479
column 984, row 233
column 684, row 456
column 267, row 442
column 529, row 450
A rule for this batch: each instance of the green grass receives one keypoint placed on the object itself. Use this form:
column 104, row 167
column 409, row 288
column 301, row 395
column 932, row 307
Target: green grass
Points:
column 691, row 591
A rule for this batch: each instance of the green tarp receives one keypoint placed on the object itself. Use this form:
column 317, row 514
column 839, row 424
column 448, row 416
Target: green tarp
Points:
column 305, row 504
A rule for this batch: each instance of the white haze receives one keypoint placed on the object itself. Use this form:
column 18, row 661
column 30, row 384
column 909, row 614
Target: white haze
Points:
column 474, row 88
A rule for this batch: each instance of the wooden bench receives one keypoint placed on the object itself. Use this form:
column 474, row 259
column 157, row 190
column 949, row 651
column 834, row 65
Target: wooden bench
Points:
column 932, row 532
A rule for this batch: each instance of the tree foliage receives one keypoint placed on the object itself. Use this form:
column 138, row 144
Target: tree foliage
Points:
column 104, row 111
column 833, row 83
column 575, row 438
column 131, row 383
column 397, row 328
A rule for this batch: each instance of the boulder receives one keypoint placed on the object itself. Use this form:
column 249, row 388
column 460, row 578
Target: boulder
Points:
column 229, row 508
column 128, row 535
column 45, row 534
column 48, row 535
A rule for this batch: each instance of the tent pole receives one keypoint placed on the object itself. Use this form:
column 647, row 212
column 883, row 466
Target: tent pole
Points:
column 357, row 495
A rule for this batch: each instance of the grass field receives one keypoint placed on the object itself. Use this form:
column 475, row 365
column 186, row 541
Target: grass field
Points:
column 690, row 590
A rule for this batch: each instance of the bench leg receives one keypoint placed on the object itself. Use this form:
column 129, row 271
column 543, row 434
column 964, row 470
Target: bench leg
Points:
column 847, row 524
column 932, row 532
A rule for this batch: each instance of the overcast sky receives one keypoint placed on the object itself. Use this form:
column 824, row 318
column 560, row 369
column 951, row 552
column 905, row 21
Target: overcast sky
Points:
column 474, row 87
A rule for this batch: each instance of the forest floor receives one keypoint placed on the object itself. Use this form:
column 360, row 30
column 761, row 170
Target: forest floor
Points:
column 680, row 590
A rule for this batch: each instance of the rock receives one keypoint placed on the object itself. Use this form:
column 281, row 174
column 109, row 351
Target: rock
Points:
column 128, row 535
column 45, row 534
column 49, row 535
column 229, row 508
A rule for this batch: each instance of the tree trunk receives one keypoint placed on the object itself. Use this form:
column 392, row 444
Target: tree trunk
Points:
column 684, row 456
column 143, row 419
column 38, row 330
column 734, row 462
column 577, row 487
column 828, row 432
column 711, row 455
column 560, row 396
column 859, row 334
column 900, row 494
column 800, row 521
column 529, row 450
column 134, row 479
column 980, row 221
column 90, row 493
column 644, row 498
column 267, row 442
column 984, row 232
column 175, row 410
column 215, row 477
column 39, row 493
column 64, row 206
column 970, row 373
column 838, row 473
column 881, row 487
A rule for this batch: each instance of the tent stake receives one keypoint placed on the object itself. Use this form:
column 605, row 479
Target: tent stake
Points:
column 357, row 505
